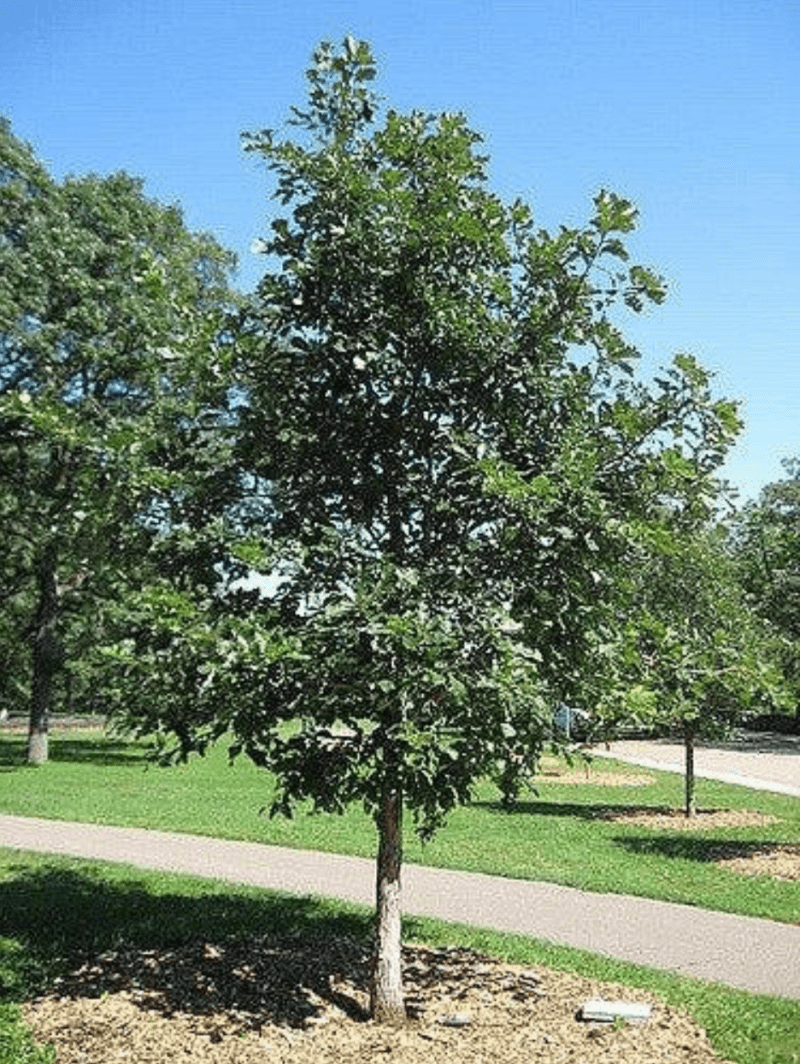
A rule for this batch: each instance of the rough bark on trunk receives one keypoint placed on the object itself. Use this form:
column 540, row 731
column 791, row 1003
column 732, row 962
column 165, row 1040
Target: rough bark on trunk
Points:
column 387, row 980
column 45, row 660
column 690, row 804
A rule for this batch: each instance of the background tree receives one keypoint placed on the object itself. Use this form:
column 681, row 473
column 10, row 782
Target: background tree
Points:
column 108, row 308
column 766, row 538
column 457, row 460
column 702, row 657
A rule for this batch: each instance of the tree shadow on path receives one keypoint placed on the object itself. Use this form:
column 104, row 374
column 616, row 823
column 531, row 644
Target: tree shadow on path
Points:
column 743, row 743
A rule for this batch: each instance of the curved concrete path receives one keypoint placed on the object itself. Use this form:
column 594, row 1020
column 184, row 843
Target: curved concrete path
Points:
column 756, row 955
column 766, row 761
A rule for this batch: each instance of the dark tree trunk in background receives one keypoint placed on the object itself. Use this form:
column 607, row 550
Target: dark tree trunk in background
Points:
column 387, row 979
column 46, row 658
column 690, row 800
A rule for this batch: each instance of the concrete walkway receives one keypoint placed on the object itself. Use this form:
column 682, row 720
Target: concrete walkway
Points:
column 767, row 761
column 756, row 955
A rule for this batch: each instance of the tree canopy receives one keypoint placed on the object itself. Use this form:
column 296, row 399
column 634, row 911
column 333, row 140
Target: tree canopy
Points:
column 699, row 657
column 447, row 458
column 109, row 307
column 766, row 541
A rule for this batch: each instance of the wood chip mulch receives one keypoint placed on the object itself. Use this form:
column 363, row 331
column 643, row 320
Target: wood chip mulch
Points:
column 780, row 861
column 775, row 860
column 676, row 819
column 294, row 1003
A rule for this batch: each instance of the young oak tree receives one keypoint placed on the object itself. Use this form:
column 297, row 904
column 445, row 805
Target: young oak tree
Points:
column 699, row 655
column 766, row 544
column 109, row 307
column 458, row 459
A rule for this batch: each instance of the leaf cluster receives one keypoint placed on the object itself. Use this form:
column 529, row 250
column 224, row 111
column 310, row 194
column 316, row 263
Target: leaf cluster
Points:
column 701, row 656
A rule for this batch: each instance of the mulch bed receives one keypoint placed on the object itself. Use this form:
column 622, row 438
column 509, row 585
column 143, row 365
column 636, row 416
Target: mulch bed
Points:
column 292, row 1003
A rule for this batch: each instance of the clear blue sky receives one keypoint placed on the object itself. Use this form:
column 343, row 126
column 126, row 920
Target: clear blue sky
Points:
column 689, row 107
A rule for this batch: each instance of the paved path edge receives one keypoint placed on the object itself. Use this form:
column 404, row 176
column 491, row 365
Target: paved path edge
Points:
column 761, row 956
column 740, row 779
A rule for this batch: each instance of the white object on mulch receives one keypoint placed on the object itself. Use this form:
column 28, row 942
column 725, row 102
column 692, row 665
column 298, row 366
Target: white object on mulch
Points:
column 459, row 1019
column 608, row 1011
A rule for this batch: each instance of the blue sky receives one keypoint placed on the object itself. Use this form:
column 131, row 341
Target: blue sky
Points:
column 689, row 107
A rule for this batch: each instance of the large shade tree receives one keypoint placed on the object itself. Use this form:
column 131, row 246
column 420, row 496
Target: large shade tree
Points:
column 456, row 455
column 109, row 310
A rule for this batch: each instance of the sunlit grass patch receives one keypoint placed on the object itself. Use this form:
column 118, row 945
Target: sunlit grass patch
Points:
column 584, row 834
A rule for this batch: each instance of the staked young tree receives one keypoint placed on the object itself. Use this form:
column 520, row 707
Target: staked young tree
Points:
column 457, row 459
column 109, row 309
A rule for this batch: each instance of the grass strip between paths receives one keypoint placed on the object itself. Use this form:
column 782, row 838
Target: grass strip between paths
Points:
column 561, row 835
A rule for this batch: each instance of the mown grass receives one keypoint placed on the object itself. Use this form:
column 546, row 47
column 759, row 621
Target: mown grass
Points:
column 555, row 836
column 101, row 907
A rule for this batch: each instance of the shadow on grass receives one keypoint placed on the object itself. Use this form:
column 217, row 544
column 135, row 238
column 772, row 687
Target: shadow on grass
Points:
column 695, row 848
column 596, row 811
column 92, row 750
column 204, row 953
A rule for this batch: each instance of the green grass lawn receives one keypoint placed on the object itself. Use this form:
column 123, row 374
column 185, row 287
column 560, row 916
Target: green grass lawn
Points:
column 554, row 836
column 102, row 907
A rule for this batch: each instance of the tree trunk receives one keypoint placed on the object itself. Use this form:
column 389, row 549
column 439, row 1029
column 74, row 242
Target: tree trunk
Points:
column 387, row 979
column 46, row 659
column 688, row 740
